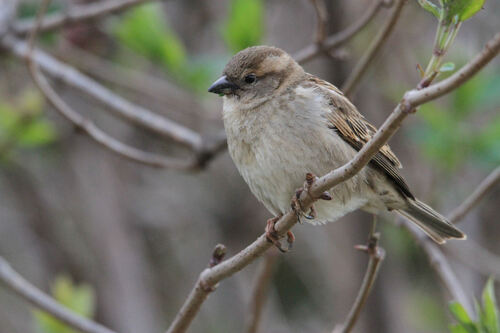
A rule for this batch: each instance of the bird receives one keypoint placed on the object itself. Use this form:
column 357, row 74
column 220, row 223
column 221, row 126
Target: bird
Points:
column 283, row 123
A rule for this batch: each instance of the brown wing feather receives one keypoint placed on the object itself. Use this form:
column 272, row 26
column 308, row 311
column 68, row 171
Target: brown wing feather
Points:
column 356, row 130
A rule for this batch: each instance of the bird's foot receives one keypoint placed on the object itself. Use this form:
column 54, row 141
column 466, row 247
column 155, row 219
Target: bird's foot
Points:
column 273, row 237
column 297, row 205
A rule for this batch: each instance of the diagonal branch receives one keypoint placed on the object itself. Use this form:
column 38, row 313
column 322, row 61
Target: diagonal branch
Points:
column 441, row 266
column 483, row 188
column 411, row 100
column 376, row 255
column 32, row 294
column 76, row 13
column 362, row 65
column 334, row 41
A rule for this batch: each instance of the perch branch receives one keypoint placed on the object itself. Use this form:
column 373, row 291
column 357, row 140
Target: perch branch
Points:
column 15, row 282
column 484, row 187
column 76, row 13
column 373, row 49
column 334, row 41
column 411, row 100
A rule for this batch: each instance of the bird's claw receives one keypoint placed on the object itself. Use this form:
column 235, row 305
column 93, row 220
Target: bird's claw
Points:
column 296, row 204
column 273, row 237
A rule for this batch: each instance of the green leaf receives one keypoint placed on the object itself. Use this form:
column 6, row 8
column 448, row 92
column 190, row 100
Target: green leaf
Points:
column 459, row 313
column 489, row 315
column 430, row 7
column 245, row 24
column 78, row 298
column 447, row 67
column 457, row 328
column 145, row 31
column 22, row 122
column 462, row 9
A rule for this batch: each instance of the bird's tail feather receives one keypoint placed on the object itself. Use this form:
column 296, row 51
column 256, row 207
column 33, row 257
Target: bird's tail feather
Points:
column 431, row 222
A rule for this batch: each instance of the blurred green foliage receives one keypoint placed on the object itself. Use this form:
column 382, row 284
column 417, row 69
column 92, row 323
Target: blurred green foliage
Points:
column 79, row 298
column 22, row 123
column 453, row 10
column 487, row 321
column 245, row 24
column 465, row 128
column 145, row 30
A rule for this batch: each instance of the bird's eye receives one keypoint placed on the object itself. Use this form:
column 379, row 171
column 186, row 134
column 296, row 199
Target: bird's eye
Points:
column 250, row 78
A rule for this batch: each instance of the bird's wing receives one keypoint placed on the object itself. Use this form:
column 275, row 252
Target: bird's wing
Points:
column 351, row 126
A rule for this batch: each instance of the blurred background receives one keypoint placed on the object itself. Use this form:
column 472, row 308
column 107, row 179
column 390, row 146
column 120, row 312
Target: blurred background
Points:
column 124, row 243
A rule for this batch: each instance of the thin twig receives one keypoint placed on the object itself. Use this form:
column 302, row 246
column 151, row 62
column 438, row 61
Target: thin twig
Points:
column 411, row 100
column 260, row 290
column 440, row 264
column 76, row 13
column 334, row 41
column 376, row 255
column 321, row 20
column 89, row 127
column 483, row 188
column 35, row 296
column 373, row 49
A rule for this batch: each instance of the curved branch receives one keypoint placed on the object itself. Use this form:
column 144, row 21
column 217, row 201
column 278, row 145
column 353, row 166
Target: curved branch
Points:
column 321, row 20
column 76, row 13
column 35, row 296
column 483, row 188
column 373, row 49
column 89, row 127
column 121, row 107
column 334, row 41
column 411, row 100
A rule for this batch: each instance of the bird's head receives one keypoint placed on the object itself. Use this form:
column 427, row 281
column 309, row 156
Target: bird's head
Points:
column 256, row 74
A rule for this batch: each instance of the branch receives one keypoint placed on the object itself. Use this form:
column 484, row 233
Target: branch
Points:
column 377, row 255
column 321, row 20
column 259, row 294
column 373, row 49
column 86, row 125
column 33, row 295
column 411, row 100
column 483, row 188
column 476, row 256
column 441, row 266
column 76, row 13
column 7, row 14
column 121, row 107
column 334, row 41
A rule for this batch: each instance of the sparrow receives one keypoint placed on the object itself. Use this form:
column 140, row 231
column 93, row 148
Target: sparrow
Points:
column 283, row 123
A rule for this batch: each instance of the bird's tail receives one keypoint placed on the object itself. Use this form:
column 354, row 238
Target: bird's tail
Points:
column 431, row 222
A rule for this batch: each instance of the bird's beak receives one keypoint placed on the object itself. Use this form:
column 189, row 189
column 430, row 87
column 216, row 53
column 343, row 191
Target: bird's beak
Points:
column 222, row 86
